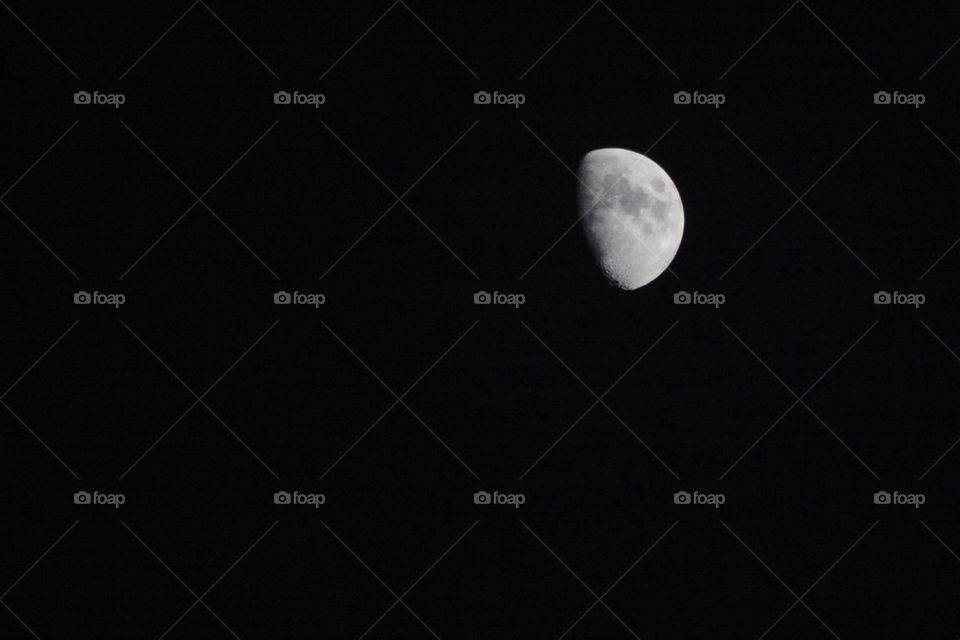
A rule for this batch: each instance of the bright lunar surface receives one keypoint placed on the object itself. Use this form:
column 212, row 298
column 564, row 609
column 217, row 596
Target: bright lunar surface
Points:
column 632, row 215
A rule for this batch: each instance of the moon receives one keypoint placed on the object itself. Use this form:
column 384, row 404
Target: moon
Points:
column 631, row 213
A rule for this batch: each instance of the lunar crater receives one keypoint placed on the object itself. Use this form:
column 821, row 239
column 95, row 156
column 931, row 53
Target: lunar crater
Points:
column 632, row 215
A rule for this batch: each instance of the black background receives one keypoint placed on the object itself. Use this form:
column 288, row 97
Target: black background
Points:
column 285, row 214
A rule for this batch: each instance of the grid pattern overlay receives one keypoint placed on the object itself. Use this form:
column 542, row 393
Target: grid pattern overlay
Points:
column 304, row 340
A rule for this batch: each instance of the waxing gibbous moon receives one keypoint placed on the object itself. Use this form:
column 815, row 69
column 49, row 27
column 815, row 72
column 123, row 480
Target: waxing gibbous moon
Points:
column 631, row 213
